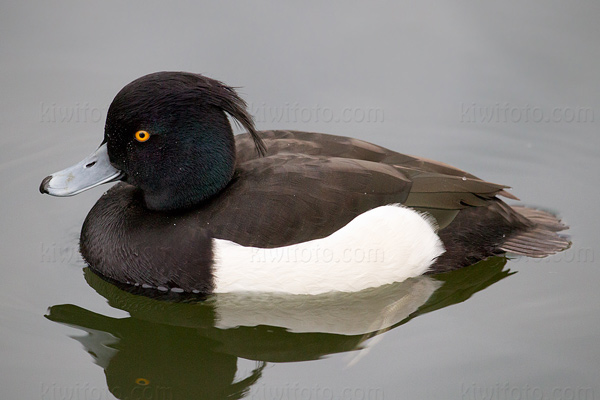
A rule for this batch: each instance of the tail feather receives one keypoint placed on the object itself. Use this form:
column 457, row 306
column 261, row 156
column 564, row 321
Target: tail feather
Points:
column 541, row 239
column 497, row 228
column 548, row 220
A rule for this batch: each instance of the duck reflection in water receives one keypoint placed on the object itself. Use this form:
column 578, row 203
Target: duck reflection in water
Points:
column 188, row 347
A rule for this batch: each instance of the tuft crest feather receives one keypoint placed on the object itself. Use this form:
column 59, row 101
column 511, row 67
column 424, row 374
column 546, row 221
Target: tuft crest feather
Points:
column 226, row 98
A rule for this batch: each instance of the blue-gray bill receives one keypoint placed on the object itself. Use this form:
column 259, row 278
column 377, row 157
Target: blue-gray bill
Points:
column 90, row 172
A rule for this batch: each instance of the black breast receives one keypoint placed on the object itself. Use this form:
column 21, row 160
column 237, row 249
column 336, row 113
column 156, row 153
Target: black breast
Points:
column 124, row 241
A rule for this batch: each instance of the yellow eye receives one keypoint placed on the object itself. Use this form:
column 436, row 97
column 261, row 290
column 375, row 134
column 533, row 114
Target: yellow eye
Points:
column 142, row 136
column 142, row 381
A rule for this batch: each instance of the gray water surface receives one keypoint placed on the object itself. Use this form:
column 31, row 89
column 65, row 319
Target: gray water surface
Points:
column 508, row 91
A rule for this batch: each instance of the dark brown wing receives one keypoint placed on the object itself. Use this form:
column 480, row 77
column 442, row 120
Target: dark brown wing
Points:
column 283, row 198
column 437, row 188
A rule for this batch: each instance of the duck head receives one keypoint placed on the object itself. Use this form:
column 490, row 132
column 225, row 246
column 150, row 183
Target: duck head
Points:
column 168, row 134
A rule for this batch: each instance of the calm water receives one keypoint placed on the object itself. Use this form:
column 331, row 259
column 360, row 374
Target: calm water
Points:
column 509, row 92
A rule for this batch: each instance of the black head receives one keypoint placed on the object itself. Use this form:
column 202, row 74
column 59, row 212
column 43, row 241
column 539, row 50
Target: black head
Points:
column 169, row 133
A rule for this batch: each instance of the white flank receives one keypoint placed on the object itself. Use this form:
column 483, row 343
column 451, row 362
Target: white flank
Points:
column 384, row 245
